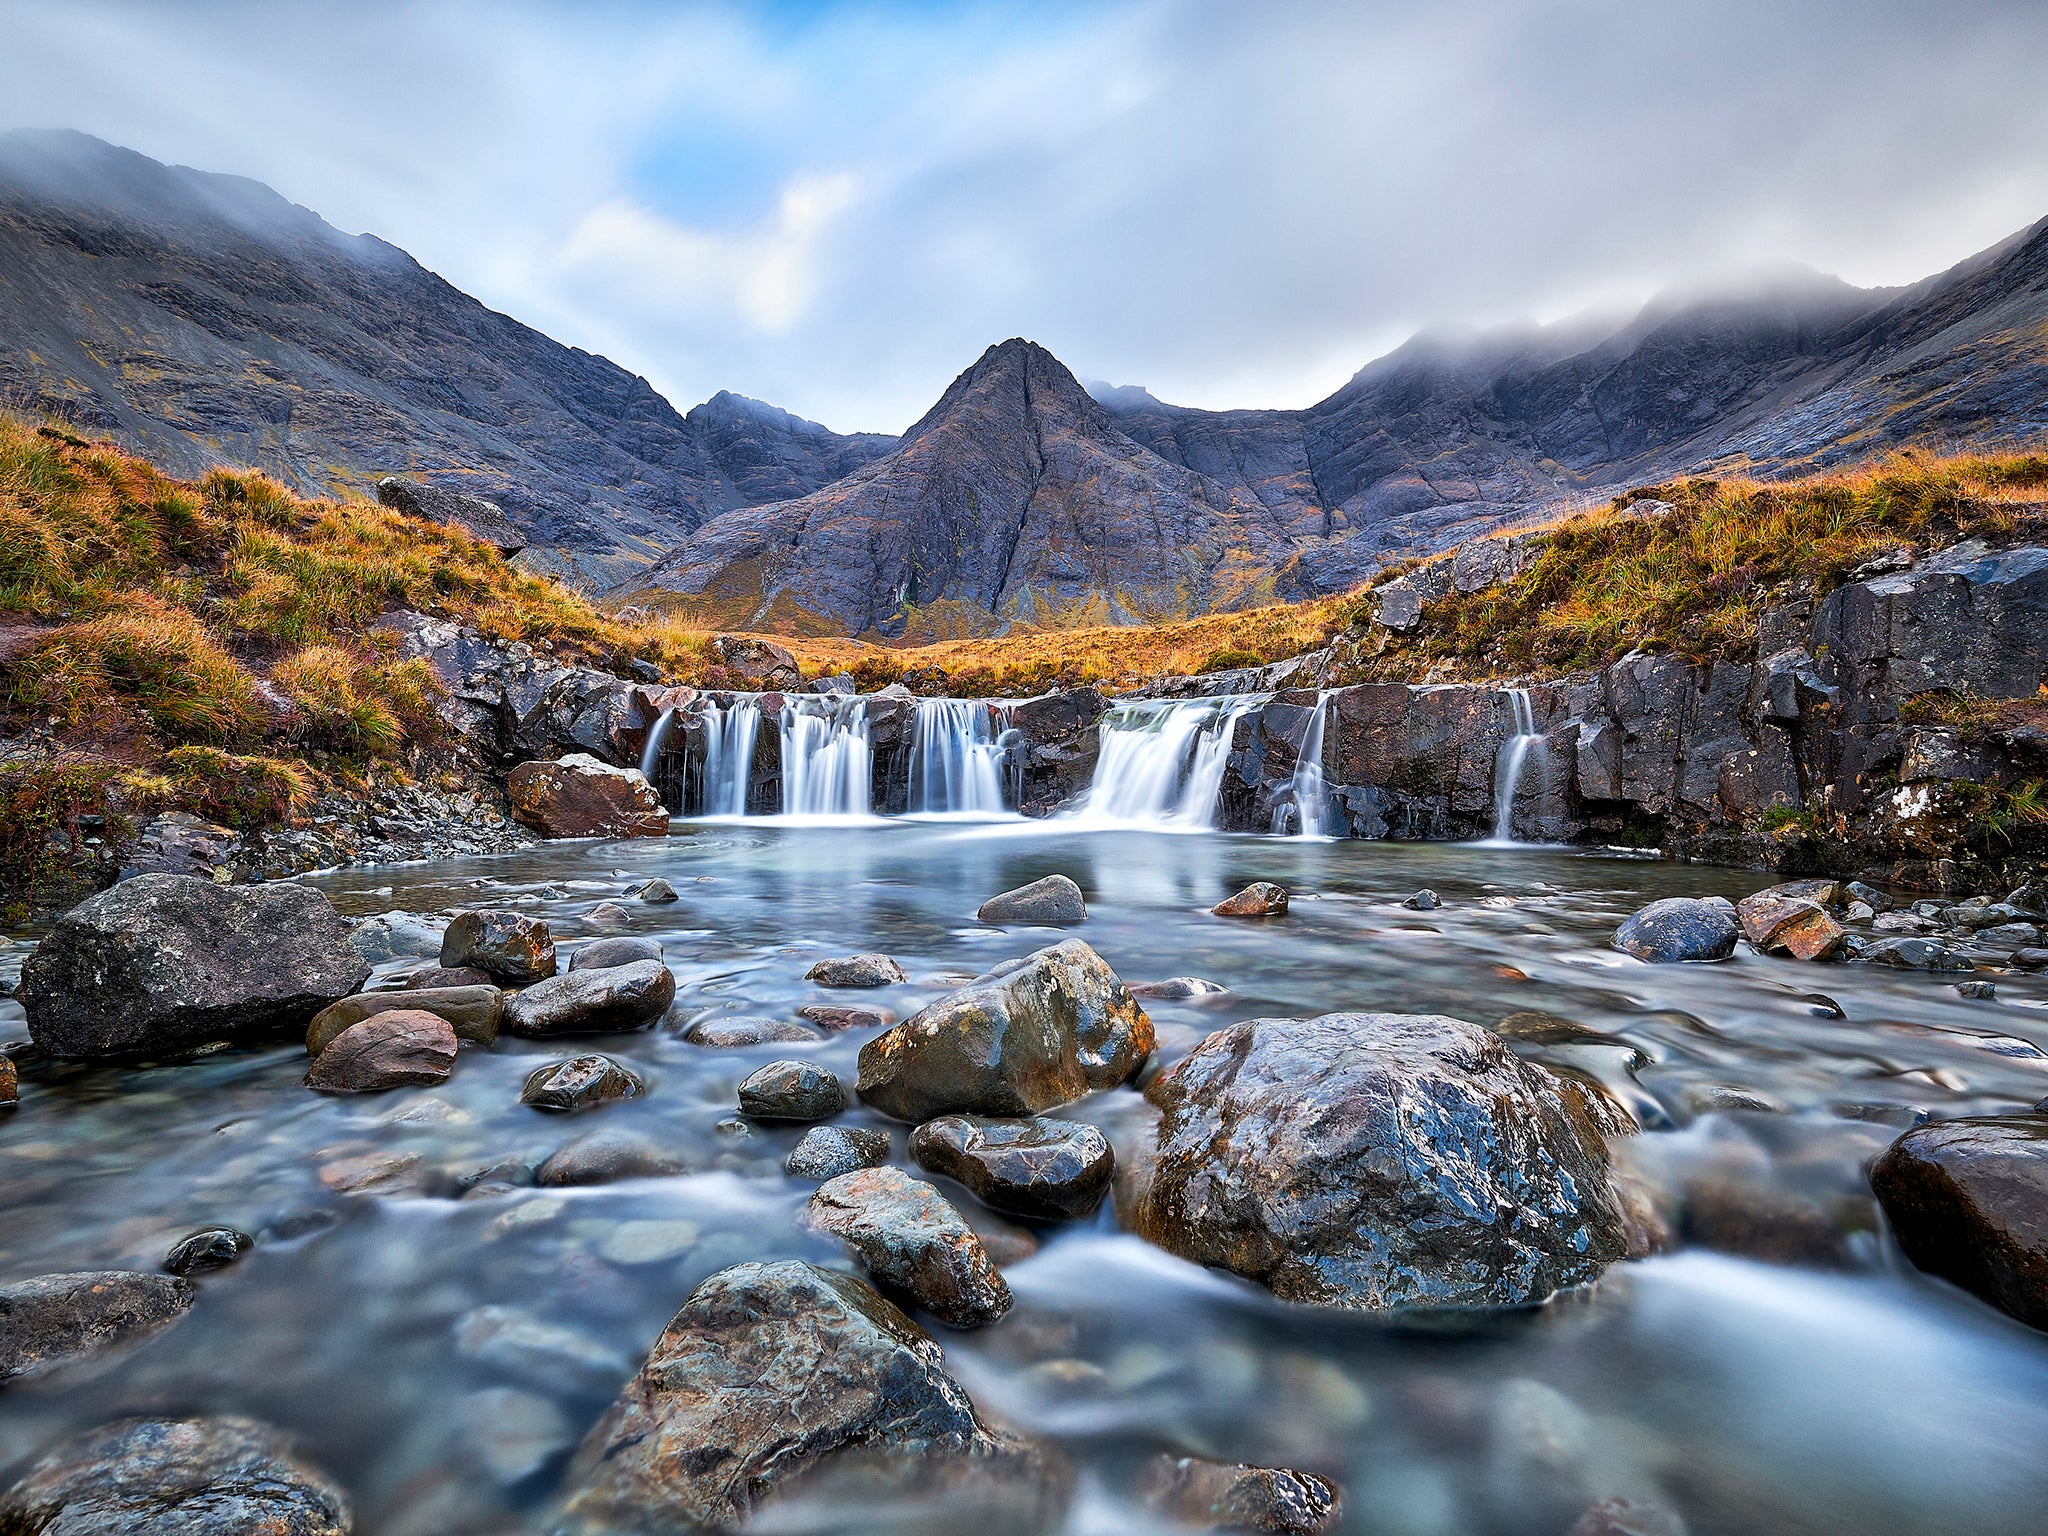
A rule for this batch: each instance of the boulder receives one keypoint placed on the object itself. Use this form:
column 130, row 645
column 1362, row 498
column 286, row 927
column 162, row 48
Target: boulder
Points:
column 791, row 1090
column 581, row 1082
column 1780, row 923
column 830, row 1150
column 913, row 1242
column 402, row 1048
column 1179, row 989
column 857, row 971
column 1968, row 1200
column 604, row 1157
column 175, row 1477
column 1053, row 899
column 1911, row 954
column 209, row 1248
column 1225, row 1495
column 433, row 978
column 56, row 1320
column 656, row 892
column 1679, row 928
column 608, row 914
column 1260, row 899
column 164, row 963
column 472, row 1012
column 726, row 1031
column 592, row 1002
column 509, row 946
column 1424, row 900
column 757, row 665
column 832, row 1018
column 482, row 519
column 602, row 954
column 578, row 796
column 1046, row 1169
column 1031, row 1035
column 1375, row 1160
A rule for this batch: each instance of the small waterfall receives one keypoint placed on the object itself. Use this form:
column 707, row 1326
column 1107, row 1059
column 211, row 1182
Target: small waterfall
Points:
column 1162, row 762
column 827, row 763
column 650, row 755
column 1308, row 792
column 1507, row 767
column 728, row 767
column 956, row 764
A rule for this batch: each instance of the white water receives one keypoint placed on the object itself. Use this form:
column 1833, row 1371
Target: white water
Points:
column 1308, row 791
column 827, row 763
column 1162, row 763
column 956, row 764
column 650, row 754
column 729, row 733
column 1507, row 768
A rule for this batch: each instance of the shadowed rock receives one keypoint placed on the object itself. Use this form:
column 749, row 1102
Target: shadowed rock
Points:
column 727, row 1031
column 913, row 1242
column 403, row 1048
column 472, row 1012
column 827, row 1151
column 1051, row 1170
column 509, row 946
column 791, row 1090
column 1968, row 1200
column 581, row 1082
column 1679, row 928
column 603, row 1157
column 1053, row 899
column 434, row 978
column 592, row 1002
column 208, row 1249
column 55, row 1320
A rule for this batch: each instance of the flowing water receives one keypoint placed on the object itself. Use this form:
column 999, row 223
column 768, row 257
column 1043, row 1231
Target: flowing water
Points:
column 1507, row 770
column 1305, row 802
column 827, row 765
column 441, row 1355
column 728, row 761
column 956, row 761
column 1162, row 763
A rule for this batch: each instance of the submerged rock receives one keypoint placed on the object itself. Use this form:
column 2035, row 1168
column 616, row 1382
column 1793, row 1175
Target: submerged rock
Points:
column 208, row 1249
column 1968, row 1200
column 510, row 946
column 592, row 1002
column 726, row 1031
column 1176, row 989
column 857, row 971
column 603, row 1157
column 600, row 954
column 1233, row 1496
column 402, row 1048
column 1677, row 929
column 56, row 1320
column 1260, row 899
column 579, row 796
column 1031, row 1035
column 1909, row 954
column 830, row 1150
column 791, row 1090
column 581, row 1082
column 1052, row 1170
column 913, row 1241
column 1377, row 1160
column 164, row 963
column 1053, row 899
column 833, row 1019
column 472, row 1012
column 1627, row 1517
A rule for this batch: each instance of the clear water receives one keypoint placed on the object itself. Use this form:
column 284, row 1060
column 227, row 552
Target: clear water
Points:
column 1853, row 1396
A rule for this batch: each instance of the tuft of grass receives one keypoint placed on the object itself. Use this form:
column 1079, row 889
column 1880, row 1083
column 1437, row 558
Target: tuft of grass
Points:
column 160, row 658
column 234, row 791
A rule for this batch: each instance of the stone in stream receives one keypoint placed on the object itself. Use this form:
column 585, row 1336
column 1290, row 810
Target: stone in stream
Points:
column 165, row 963
column 209, row 1248
column 791, row 1090
column 1779, row 922
column 1230, row 1495
column 1424, row 900
column 609, row 914
column 833, row 1018
column 1627, row 1517
column 1377, row 1160
column 472, row 1012
column 511, row 946
column 600, row 954
column 726, row 1031
column 1031, row 1035
column 1981, row 991
column 435, row 977
column 704, row 1436
column 592, row 1002
column 402, row 1048
column 57, row 1320
column 10, row 1084
column 857, row 971
column 1260, row 899
column 1869, row 895
column 1910, row 954
column 827, row 1151
column 578, row 796
column 581, row 1082
column 1053, row 899
column 1677, row 929
column 1177, row 989
column 175, row 1477
column 1968, row 1200
column 913, row 1242
column 655, row 892
column 606, row 1156
column 1046, row 1169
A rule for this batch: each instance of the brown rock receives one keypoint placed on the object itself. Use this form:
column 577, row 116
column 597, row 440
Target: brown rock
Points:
column 593, row 1002
column 833, row 1019
column 401, row 1048
column 1968, row 1200
column 512, row 947
column 1233, row 1496
column 1260, row 899
column 9, row 1082
column 579, row 796
column 1789, row 925
column 913, row 1241
column 375, row 1173
column 435, row 977
column 472, row 1012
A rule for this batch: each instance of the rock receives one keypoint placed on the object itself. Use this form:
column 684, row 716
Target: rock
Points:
column 607, row 914
column 578, row 796
column 1176, row 989
column 1869, row 895
column 1860, row 912
column 475, row 515
column 174, row 1477
column 10, row 1086
column 729, row 1030
column 2009, row 935
column 1626, row 1517
column 1679, row 928
column 513, row 948
column 402, row 1048
column 830, row 1150
column 1217, row 1494
column 1968, row 1200
column 1261, row 899
column 1902, row 922
column 394, row 936
column 704, row 1435
column 1375, row 1161
column 656, row 892
column 832, row 1018
column 581, row 1082
column 603, row 954
column 473, row 1013
column 1031, row 1035
column 376, row 1173
column 1908, row 954
column 757, row 665
column 436, row 977
column 1053, row 899
column 1982, row 991
column 1049, row 1170
column 513, row 1434
column 1424, row 900
column 604, row 1157
column 57, row 1320
column 913, row 1241
column 207, row 1249
column 592, row 1002
column 857, row 971
column 164, row 963
column 1781, row 924
column 526, row 1345
column 791, row 1090
column 839, row 685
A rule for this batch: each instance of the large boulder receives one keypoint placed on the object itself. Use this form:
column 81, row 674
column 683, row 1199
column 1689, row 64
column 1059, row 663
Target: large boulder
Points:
column 913, row 1242
column 401, row 1048
column 472, row 1012
column 1679, row 928
column 1780, row 921
column 772, row 1375
column 482, row 519
column 1050, row 1170
column 1968, row 1200
column 758, row 665
column 55, row 1320
column 592, row 1002
column 164, row 963
column 578, row 796
column 174, row 1477
column 1051, row 899
column 1377, row 1160
column 509, row 946
column 1031, row 1035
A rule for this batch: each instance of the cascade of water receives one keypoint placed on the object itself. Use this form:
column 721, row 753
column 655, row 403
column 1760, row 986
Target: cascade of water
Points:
column 650, row 755
column 956, row 765
column 1162, row 761
column 1307, row 792
column 1507, row 768
column 728, row 767
column 827, row 763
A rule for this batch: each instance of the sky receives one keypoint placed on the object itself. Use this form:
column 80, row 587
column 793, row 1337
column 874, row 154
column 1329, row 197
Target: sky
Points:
column 835, row 207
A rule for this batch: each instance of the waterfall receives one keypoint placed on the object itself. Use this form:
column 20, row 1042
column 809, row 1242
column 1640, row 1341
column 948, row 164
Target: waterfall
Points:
column 728, row 766
column 827, row 764
column 956, row 764
column 1308, row 791
column 650, row 755
column 1162, row 762
column 1507, row 767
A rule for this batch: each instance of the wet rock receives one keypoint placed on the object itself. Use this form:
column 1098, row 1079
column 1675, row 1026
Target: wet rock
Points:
column 1232, row 1496
column 510, row 946
column 1981, row 991
column 394, row 936
column 2009, row 935
column 1424, row 900
column 403, row 1048
column 376, row 1173
column 207, row 1249
column 833, row 1019
column 1053, row 899
column 608, row 914
column 1869, row 895
column 164, row 963
column 1968, row 1200
column 703, row 1437
column 578, row 796
column 1050, row 1170
column 830, row 1150
column 1679, row 928
column 592, row 1002
column 604, row 1157
column 603, row 954
column 1902, row 922
column 1176, row 989
column 1376, row 1161
column 1031, row 1035
column 1627, row 1517
column 730, row 1030
column 914, row 1242
column 1779, row 923
column 656, row 892
column 1909, row 954
column 434, row 978
column 1260, row 899
column 791, row 1090
column 10, row 1086
column 57, row 1320
column 857, row 971
column 473, row 1013
column 581, row 1082
column 174, row 1477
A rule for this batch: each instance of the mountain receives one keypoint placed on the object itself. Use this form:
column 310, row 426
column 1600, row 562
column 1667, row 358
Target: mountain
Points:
column 202, row 320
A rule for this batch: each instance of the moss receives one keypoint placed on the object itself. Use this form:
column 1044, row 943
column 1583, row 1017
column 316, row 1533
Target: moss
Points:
column 46, row 812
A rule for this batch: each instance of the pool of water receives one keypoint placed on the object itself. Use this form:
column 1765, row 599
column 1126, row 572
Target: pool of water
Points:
column 441, row 1355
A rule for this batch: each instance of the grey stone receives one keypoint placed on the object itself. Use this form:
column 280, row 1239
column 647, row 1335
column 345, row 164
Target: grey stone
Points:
column 616, row 997
column 1679, row 928
column 1051, row 899
column 601, row 954
column 727, row 1031
column 857, row 971
column 827, row 1151
column 606, row 1156
column 791, row 1090
column 208, row 1249
column 1206, row 1494
column 58, row 1320
column 913, row 1242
